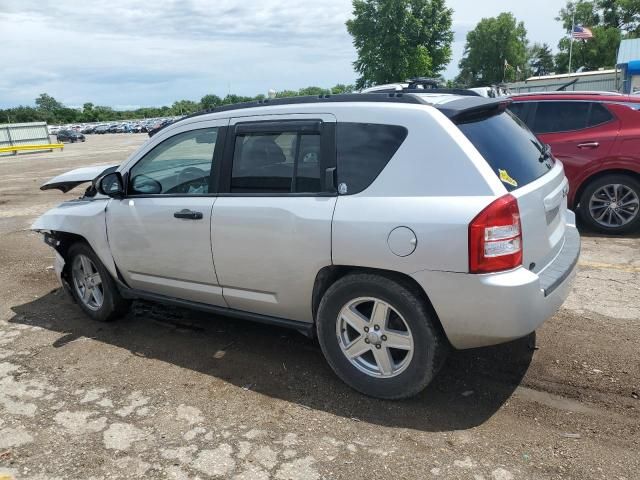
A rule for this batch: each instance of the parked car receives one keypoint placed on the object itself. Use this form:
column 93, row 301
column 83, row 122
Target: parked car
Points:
column 390, row 226
column 596, row 135
column 70, row 136
column 158, row 126
column 101, row 129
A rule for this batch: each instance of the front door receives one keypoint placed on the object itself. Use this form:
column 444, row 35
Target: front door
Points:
column 160, row 234
column 271, row 225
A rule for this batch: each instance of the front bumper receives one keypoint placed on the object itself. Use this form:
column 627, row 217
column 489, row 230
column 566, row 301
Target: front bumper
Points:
column 481, row 310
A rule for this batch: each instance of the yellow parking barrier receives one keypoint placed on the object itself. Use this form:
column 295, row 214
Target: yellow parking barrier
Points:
column 17, row 148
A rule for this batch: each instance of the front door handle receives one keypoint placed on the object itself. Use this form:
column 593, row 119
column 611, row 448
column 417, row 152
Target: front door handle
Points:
column 589, row 145
column 188, row 214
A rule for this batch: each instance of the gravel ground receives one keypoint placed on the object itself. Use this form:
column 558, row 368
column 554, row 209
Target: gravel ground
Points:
column 168, row 393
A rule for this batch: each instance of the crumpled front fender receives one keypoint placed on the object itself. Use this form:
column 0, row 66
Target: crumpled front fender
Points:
column 83, row 217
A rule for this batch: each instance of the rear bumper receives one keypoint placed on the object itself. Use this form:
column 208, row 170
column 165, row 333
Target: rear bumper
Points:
column 481, row 310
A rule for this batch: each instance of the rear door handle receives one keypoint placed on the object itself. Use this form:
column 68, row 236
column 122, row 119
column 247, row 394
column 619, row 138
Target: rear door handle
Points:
column 188, row 214
column 589, row 145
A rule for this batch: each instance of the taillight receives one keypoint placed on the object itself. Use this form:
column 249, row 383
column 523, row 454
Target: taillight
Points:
column 495, row 237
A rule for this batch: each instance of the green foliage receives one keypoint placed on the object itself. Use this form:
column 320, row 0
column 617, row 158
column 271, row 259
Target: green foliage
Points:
column 50, row 110
column 210, row 101
column 599, row 51
column 609, row 20
column 489, row 45
column 47, row 104
column 541, row 61
column 400, row 39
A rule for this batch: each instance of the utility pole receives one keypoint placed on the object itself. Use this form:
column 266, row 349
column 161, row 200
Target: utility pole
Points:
column 573, row 26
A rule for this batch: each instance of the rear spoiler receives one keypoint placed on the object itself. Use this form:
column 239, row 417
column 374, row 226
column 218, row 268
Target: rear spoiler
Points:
column 470, row 109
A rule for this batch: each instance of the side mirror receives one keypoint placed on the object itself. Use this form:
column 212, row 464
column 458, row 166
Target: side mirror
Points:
column 145, row 185
column 111, row 185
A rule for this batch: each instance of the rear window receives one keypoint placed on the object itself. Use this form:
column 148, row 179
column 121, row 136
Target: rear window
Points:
column 510, row 148
column 364, row 149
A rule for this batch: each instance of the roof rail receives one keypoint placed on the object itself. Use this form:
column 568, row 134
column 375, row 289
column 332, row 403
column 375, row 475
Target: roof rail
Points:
column 567, row 92
column 450, row 91
column 391, row 97
column 424, row 82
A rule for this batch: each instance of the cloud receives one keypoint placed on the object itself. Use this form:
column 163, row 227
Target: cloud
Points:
column 123, row 52
column 156, row 53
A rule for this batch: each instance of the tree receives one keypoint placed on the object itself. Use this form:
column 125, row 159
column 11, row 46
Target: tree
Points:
column 496, row 49
column 313, row 91
column 184, row 107
column 48, row 104
column 541, row 60
column 400, row 39
column 609, row 20
column 597, row 52
column 210, row 101
column 341, row 88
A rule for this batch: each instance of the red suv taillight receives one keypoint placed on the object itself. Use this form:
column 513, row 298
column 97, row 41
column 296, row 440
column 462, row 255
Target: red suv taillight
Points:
column 495, row 237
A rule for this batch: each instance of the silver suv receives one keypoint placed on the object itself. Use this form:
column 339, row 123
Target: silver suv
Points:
column 391, row 226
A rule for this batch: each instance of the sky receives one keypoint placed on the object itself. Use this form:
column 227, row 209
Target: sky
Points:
column 127, row 54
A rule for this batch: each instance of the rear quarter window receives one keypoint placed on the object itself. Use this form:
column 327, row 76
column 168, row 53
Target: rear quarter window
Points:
column 509, row 147
column 363, row 150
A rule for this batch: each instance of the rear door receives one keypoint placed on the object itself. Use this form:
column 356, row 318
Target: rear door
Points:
column 271, row 226
column 538, row 183
column 581, row 133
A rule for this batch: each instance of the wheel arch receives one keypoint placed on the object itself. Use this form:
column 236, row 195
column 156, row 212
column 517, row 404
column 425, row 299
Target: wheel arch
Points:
column 330, row 274
column 601, row 173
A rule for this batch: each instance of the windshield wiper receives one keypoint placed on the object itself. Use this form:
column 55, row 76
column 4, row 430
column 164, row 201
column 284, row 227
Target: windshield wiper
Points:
column 544, row 149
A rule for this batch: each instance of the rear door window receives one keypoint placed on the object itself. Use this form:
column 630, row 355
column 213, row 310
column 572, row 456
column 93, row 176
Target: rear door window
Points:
column 364, row 149
column 277, row 163
column 554, row 117
column 514, row 153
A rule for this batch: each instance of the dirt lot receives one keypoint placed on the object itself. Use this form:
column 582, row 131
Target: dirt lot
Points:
column 168, row 393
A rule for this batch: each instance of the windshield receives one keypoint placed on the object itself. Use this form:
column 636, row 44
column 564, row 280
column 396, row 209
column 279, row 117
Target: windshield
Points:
column 514, row 153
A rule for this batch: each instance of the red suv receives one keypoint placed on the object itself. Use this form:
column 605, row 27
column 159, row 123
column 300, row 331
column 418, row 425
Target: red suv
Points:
column 597, row 138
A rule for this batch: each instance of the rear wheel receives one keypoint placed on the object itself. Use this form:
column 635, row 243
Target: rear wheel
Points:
column 611, row 204
column 92, row 285
column 379, row 336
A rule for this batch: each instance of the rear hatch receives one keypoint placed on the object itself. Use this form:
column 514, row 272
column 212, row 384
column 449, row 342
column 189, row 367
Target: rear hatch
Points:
column 528, row 171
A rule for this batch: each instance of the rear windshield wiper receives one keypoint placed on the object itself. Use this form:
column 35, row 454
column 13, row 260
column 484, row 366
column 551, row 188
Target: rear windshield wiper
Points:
column 544, row 149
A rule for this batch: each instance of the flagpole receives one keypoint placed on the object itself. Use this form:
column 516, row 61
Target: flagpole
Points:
column 573, row 26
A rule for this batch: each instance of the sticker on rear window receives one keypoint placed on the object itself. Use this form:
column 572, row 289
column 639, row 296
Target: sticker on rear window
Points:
column 505, row 178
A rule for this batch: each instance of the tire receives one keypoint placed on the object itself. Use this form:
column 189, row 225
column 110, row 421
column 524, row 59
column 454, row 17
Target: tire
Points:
column 602, row 190
column 415, row 367
column 112, row 305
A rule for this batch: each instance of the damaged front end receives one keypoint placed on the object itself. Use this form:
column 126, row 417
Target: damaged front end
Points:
column 78, row 220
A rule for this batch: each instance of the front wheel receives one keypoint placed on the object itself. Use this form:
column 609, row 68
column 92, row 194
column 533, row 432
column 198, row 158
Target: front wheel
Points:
column 379, row 337
column 92, row 286
column 611, row 204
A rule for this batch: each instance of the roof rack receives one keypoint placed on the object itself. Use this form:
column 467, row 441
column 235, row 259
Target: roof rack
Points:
column 567, row 92
column 424, row 82
column 445, row 91
column 391, row 97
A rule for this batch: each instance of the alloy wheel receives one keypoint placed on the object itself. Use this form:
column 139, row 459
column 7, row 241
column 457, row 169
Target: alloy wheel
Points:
column 614, row 205
column 374, row 337
column 87, row 282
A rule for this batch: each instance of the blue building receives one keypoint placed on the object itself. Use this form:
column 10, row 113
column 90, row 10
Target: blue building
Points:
column 629, row 64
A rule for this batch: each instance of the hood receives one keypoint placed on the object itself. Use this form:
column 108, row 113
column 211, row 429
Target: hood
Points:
column 73, row 178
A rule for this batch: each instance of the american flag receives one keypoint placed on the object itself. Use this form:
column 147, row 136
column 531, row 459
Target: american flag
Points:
column 581, row 32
